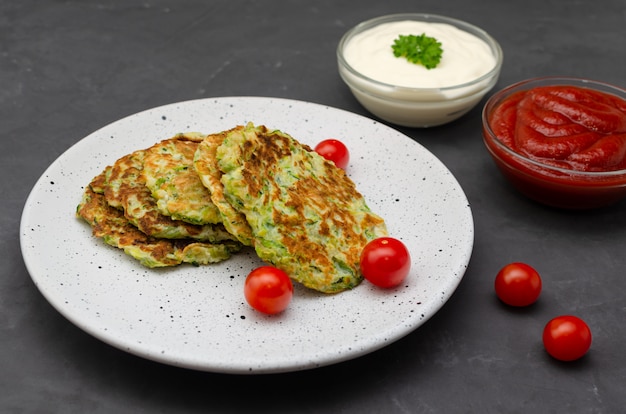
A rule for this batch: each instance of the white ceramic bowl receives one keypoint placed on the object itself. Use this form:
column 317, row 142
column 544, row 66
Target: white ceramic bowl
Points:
column 418, row 106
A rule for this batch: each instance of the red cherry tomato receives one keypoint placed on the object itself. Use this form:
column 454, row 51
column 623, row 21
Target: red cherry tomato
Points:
column 335, row 151
column 268, row 289
column 566, row 338
column 518, row 284
column 385, row 262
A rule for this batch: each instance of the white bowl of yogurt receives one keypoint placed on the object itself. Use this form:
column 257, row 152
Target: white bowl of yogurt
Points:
column 409, row 94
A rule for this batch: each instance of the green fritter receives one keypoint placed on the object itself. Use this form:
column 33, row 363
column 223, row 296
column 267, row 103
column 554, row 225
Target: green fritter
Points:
column 126, row 189
column 169, row 174
column 113, row 227
column 306, row 215
column 205, row 163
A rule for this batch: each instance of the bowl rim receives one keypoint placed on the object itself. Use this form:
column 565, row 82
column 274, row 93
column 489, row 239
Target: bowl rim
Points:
column 434, row 18
column 490, row 137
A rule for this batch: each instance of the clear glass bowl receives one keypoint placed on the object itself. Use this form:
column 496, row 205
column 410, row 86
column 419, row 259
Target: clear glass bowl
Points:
column 418, row 107
column 548, row 184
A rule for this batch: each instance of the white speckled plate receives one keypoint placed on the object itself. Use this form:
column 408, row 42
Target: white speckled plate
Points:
column 196, row 317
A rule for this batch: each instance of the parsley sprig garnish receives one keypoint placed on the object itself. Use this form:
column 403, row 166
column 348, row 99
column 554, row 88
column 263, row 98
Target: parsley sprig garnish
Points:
column 421, row 50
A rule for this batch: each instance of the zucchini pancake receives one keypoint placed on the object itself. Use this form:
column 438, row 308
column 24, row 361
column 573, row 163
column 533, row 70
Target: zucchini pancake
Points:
column 169, row 174
column 306, row 215
column 113, row 227
column 126, row 189
column 205, row 163
column 198, row 199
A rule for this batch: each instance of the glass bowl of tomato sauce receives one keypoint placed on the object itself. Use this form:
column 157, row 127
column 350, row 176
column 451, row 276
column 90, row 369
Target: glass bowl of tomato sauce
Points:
column 560, row 141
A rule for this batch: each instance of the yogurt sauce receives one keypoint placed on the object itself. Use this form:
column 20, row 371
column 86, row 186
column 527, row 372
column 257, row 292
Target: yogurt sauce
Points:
column 465, row 57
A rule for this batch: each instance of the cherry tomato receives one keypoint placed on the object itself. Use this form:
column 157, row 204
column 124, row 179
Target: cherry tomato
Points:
column 518, row 284
column 268, row 289
column 335, row 151
column 385, row 262
column 567, row 338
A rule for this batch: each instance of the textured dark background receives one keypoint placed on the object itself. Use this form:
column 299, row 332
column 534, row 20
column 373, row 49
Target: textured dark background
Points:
column 68, row 68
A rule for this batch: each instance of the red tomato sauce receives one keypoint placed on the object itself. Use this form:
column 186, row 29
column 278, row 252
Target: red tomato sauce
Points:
column 565, row 126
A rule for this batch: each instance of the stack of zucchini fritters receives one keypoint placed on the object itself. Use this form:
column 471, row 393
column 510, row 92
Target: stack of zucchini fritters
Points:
column 197, row 198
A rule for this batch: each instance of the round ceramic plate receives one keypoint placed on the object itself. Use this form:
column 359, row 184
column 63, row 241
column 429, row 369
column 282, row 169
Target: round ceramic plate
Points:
column 197, row 317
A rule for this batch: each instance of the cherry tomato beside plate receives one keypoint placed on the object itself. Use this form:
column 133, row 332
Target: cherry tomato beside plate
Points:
column 567, row 338
column 335, row 151
column 385, row 262
column 268, row 290
column 518, row 284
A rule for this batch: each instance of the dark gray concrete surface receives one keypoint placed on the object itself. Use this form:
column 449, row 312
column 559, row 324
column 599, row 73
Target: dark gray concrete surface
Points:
column 68, row 68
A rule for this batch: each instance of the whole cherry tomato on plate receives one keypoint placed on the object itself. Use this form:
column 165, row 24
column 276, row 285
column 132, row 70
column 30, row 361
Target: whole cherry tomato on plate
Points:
column 385, row 262
column 518, row 284
column 268, row 289
column 567, row 338
column 335, row 151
